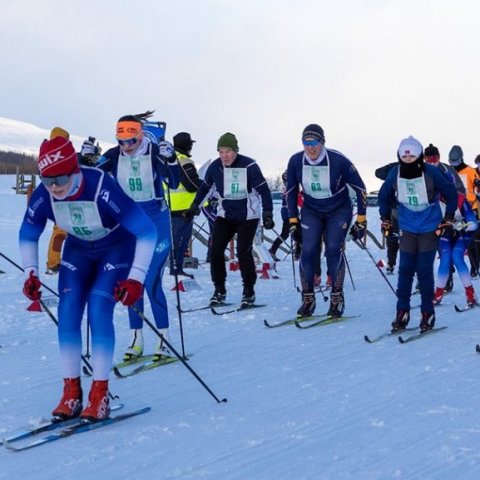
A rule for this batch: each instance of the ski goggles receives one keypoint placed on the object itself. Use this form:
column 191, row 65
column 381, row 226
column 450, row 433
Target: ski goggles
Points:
column 311, row 143
column 129, row 142
column 59, row 180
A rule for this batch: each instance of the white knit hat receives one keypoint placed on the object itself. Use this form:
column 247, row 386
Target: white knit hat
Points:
column 410, row 146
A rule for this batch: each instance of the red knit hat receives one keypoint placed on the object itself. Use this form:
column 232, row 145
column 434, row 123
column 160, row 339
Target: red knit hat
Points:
column 57, row 157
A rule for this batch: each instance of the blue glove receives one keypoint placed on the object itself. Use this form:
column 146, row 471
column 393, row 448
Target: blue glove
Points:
column 167, row 152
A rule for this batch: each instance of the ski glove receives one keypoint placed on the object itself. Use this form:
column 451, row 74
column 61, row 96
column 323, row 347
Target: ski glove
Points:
column 386, row 228
column 193, row 211
column 31, row 287
column 167, row 152
column 128, row 291
column 295, row 230
column 359, row 228
column 89, row 149
column 268, row 222
column 446, row 228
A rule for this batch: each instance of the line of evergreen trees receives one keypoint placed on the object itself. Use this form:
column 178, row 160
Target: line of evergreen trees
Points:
column 9, row 161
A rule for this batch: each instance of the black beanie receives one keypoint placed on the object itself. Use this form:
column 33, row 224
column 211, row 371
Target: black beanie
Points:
column 314, row 131
column 431, row 150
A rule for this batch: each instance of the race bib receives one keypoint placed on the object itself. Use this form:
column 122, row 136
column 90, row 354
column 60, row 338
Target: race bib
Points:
column 235, row 183
column 412, row 193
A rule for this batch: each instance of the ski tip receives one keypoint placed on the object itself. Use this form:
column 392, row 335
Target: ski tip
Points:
column 367, row 339
column 118, row 373
column 402, row 340
column 8, row 445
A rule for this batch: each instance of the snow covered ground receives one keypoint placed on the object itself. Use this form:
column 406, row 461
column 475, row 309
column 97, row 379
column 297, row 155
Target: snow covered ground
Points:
column 302, row 404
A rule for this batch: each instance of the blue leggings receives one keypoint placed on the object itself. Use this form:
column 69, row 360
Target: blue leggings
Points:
column 334, row 228
column 453, row 251
column 87, row 278
column 153, row 282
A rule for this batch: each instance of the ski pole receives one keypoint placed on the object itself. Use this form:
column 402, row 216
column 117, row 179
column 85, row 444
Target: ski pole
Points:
column 88, row 365
column 293, row 263
column 349, row 271
column 364, row 247
column 173, row 254
column 169, row 345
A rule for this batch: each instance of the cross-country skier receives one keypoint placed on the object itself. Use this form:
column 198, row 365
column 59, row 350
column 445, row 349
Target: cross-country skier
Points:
column 416, row 187
column 324, row 175
column 106, row 256
column 452, row 251
column 243, row 196
column 140, row 166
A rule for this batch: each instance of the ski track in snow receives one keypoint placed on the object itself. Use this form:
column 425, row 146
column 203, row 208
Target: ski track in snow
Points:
column 314, row 404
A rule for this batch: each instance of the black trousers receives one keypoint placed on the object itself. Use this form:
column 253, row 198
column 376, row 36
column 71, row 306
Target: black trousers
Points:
column 223, row 232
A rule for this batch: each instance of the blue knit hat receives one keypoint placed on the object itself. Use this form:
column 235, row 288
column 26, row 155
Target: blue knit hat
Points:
column 455, row 156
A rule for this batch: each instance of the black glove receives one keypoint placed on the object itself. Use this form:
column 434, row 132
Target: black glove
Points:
column 359, row 228
column 477, row 182
column 268, row 222
column 446, row 228
column 386, row 227
column 193, row 211
column 295, row 230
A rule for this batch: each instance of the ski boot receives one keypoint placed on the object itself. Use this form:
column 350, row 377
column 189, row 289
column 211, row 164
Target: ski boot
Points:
column 390, row 268
column 273, row 252
column 401, row 321
column 308, row 305
column 470, row 294
column 218, row 297
column 162, row 351
column 248, row 298
column 135, row 350
column 98, row 407
column 427, row 322
column 52, row 270
column 337, row 304
column 70, row 404
column 438, row 295
column 449, row 284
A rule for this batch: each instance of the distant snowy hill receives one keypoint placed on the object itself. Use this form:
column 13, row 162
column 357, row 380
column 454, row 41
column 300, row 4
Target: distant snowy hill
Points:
column 22, row 137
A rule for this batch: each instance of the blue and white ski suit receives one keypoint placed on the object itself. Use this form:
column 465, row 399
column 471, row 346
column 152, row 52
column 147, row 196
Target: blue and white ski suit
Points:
column 110, row 238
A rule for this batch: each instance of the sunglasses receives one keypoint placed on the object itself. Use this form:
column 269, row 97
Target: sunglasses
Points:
column 129, row 142
column 311, row 143
column 59, row 180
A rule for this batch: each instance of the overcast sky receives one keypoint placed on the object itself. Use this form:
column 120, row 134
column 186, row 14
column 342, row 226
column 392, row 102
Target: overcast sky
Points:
column 369, row 72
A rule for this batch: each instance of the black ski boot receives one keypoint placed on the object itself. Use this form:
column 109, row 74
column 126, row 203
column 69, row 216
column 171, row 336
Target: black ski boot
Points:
column 218, row 297
column 308, row 305
column 449, row 285
column 248, row 298
column 427, row 322
column 401, row 321
column 337, row 304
